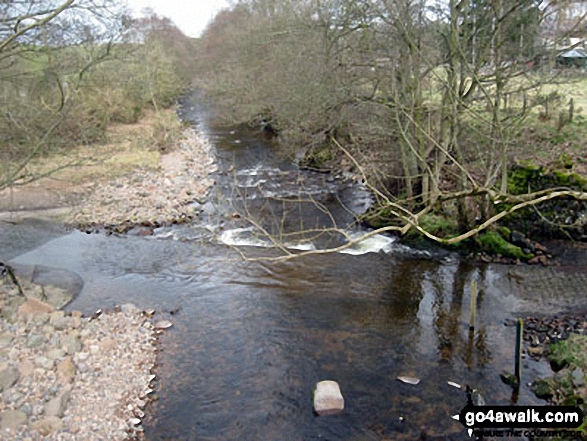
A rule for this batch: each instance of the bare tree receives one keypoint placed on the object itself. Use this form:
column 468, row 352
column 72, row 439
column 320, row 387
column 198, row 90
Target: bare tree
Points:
column 423, row 102
column 46, row 49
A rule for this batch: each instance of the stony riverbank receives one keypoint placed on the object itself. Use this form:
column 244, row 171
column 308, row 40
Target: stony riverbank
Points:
column 64, row 376
column 150, row 198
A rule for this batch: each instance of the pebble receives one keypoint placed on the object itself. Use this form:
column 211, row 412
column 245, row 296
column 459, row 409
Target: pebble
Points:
column 163, row 324
column 74, row 384
column 151, row 198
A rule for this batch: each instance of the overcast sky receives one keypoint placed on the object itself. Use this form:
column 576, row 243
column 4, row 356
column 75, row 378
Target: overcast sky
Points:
column 191, row 16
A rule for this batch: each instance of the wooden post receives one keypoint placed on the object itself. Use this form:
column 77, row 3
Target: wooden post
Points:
column 571, row 110
column 519, row 346
column 473, row 305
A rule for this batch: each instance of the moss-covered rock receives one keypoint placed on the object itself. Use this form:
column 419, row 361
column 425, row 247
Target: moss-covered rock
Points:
column 571, row 352
column 492, row 242
column 557, row 218
column 567, row 387
column 505, row 232
column 544, row 389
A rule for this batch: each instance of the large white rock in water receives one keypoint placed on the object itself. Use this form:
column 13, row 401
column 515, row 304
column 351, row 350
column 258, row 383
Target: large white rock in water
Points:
column 327, row 398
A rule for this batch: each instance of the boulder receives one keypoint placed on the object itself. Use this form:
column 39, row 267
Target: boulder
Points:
column 328, row 399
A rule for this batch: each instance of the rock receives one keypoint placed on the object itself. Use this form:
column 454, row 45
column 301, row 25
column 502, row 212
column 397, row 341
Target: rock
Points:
column 55, row 316
column 71, row 344
column 476, row 398
column 77, row 314
column 538, row 260
column 578, row 377
column 34, row 307
column 41, row 319
column 56, row 406
column 509, row 379
column 163, row 324
column 543, row 389
column 62, row 323
column 12, row 419
column 82, row 356
column 44, row 362
column 66, row 369
column 47, row 425
column 8, row 377
column 5, row 340
column 26, row 368
column 536, row 352
column 328, row 399
column 108, row 344
column 129, row 308
column 55, row 354
column 34, row 341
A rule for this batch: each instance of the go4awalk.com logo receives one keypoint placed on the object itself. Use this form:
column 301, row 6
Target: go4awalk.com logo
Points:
column 520, row 420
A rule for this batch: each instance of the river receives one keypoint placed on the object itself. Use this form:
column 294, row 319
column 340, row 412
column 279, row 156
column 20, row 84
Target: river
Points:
column 251, row 339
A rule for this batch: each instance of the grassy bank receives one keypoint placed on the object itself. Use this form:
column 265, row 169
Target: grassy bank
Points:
column 66, row 174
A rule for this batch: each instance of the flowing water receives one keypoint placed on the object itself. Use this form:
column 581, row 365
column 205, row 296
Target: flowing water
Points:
column 251, row 339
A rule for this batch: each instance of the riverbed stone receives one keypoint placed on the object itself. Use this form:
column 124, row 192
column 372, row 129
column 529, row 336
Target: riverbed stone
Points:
column 578, row 377
column 34, row 341
column 108, row 344
column 56, row 316
column 26, row 368
column 71, row 343
column 8, row 377
column 44, row 362
column 47, row 425
column 34, row 307
column 55, row 354
column 129, row 308
column 66, row 369
column 63, row 323
column 328, row 399
column 56, row 406
column 12, row 419
column 40, row 319
column 5, row 339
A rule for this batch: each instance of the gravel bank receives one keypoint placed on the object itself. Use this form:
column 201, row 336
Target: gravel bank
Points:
column 69, row 377
column 152, row 198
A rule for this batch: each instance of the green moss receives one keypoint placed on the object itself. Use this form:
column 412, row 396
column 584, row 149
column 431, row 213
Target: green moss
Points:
column 544, row 388
column 320, row 156
column 521, row 177
column 493, row 243
column 504, row 232
column 567, row 387
column 567, row 179
column 572, row 351
column 438, row 225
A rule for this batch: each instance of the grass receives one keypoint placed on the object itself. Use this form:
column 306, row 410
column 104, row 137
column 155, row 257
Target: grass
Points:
column 127, row 147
